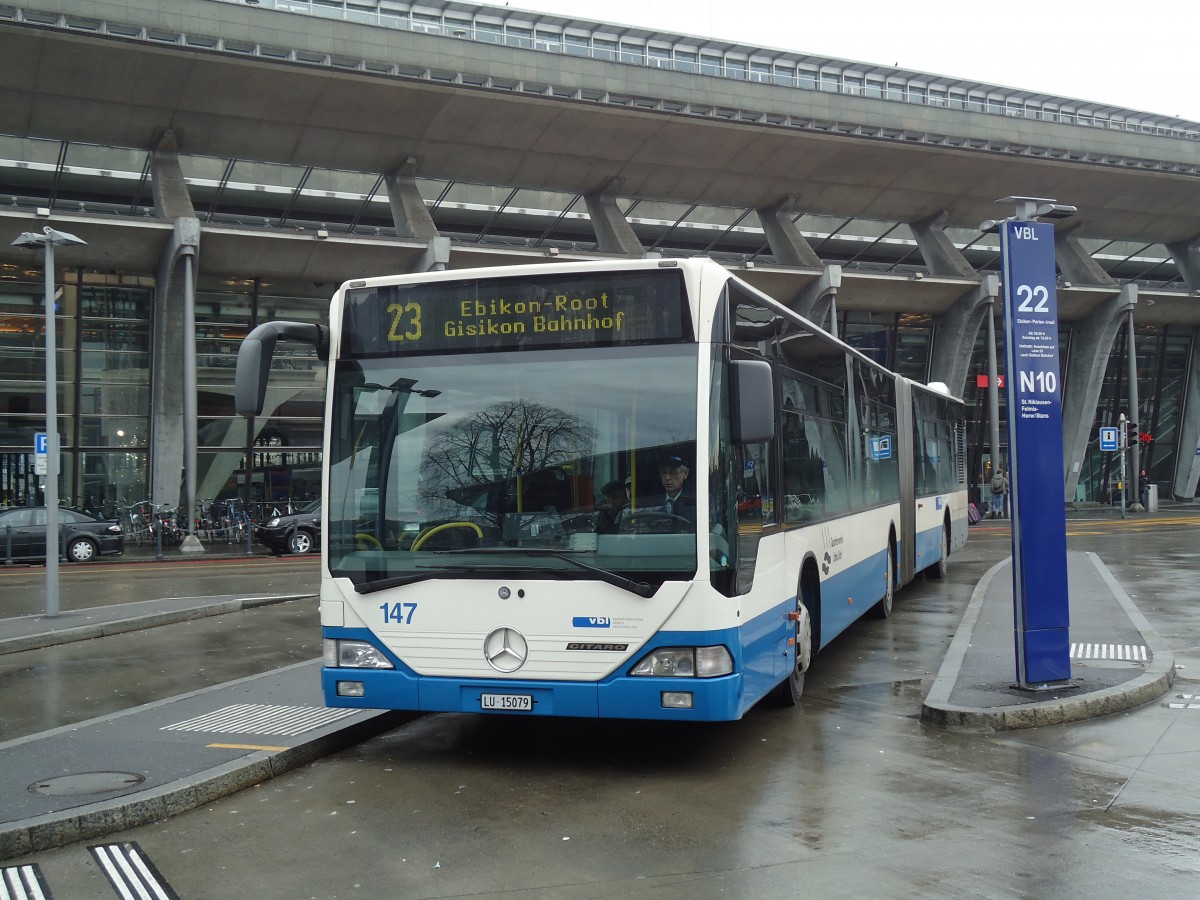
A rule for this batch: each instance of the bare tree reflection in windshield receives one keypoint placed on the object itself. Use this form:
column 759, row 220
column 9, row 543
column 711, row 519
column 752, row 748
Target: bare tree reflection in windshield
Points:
column 514, row 457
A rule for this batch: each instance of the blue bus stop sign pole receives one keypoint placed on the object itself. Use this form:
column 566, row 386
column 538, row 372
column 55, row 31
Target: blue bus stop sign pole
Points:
column 1035, row 443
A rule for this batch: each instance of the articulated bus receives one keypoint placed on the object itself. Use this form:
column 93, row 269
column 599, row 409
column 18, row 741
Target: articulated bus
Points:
column 614, row 489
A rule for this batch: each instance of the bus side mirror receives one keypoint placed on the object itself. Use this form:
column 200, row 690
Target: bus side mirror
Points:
column 752, row 401
column 254, row 360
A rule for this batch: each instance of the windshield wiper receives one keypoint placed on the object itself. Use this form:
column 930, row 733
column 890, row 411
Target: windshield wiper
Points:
column 641, row 588
column 382, row 584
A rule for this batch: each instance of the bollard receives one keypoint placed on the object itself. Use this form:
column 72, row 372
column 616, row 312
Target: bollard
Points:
column 292, row 533
column 249, row 535
column 158, row 530
column 8, row 560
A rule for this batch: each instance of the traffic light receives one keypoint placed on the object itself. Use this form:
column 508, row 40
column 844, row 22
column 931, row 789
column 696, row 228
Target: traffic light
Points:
column 1136, row 435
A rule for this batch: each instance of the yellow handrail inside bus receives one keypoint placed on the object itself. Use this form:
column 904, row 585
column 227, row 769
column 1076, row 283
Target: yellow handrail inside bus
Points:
column 425, row 535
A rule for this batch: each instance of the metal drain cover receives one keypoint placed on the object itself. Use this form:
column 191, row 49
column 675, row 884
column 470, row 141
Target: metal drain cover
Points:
column 87, row 783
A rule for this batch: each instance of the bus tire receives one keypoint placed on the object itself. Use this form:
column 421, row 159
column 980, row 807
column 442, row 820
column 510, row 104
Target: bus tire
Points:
column 791, row 689
column 883, row 609
column 937, row 571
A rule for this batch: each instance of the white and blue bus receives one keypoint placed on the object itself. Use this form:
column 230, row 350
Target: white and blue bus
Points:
column 615, row 489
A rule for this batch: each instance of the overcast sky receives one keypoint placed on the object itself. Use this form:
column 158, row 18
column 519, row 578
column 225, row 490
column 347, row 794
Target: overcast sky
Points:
column 1140, row 55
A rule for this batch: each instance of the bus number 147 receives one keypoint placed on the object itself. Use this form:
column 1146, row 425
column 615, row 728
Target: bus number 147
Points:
column 400, row 613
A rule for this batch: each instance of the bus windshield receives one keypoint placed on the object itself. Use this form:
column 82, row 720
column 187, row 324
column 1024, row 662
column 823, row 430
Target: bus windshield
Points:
column 535, row 463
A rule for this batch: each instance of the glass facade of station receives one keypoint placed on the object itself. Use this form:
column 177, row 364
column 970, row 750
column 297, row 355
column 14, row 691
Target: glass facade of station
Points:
column 1162, row 367
column 104, row 327
column 103, row 380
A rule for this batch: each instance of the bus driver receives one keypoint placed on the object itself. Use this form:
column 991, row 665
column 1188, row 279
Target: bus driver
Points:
column 677, row 499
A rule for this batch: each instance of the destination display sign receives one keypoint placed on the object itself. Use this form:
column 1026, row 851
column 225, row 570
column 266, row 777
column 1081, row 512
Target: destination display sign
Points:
column 594, row 309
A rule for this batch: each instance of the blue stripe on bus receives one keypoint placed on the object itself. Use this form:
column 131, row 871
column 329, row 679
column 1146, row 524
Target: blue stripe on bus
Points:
column 929, row 547
column 761, row 653
column 848, row 595
column 617, row 696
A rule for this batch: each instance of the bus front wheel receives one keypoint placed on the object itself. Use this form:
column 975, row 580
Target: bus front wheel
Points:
column 791, row 689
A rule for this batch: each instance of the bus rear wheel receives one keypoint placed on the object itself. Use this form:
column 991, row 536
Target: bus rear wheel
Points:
column 883, row 609
column 937, row 571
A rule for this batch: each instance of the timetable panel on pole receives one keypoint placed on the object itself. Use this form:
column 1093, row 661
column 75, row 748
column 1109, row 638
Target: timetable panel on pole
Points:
column 1034, row 394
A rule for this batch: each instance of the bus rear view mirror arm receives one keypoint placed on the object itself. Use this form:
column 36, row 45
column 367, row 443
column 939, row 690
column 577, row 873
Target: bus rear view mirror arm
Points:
column 254, row 360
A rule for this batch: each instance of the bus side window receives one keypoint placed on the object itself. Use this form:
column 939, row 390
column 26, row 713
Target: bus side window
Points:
column 804, row 483
column 741, row 493
column 755, row 507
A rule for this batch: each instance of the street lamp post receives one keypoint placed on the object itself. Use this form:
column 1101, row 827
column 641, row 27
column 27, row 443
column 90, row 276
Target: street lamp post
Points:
column 48, row 239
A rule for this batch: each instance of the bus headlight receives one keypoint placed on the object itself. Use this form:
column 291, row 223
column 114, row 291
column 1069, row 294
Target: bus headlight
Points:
column 353, row 655
column 685, row 662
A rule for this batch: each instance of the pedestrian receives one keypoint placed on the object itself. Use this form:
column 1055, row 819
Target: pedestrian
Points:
column 1144, row 489
column 999, row 489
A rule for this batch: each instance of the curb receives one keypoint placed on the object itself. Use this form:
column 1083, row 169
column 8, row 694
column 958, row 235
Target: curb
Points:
column 138, row 622
column 99, row 819
column 1158, row 678
column 137, row 808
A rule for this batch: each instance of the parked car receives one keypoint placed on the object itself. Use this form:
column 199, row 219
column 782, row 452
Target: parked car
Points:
column 84, row 537
column 299, row 532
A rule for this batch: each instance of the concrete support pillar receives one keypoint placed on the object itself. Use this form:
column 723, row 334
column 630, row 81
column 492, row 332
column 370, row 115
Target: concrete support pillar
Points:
column 409, row 213
column 173, row 351
column 614, row 234
column 941, row 257
column 1187, row 460
column 168, row 358
column 1187, row 260
column 955, row 333
column 171, row 198
column 1091, row 343
column 436, row 257
column 1075, row 264
column 817, row 301
column 788, row 245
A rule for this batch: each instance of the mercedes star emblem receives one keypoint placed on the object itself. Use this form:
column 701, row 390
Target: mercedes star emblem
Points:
column 505, row 649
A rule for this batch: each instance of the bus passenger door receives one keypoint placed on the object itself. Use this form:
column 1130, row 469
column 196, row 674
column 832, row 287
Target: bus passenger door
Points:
column 746, row 497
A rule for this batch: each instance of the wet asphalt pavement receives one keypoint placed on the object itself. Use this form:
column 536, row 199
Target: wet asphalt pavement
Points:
column 850, row 795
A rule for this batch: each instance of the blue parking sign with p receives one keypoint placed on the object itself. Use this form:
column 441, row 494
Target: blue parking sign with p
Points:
column 41, row 442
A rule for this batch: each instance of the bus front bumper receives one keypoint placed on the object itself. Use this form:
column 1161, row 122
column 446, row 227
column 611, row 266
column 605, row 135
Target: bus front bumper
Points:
column 618, row 697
